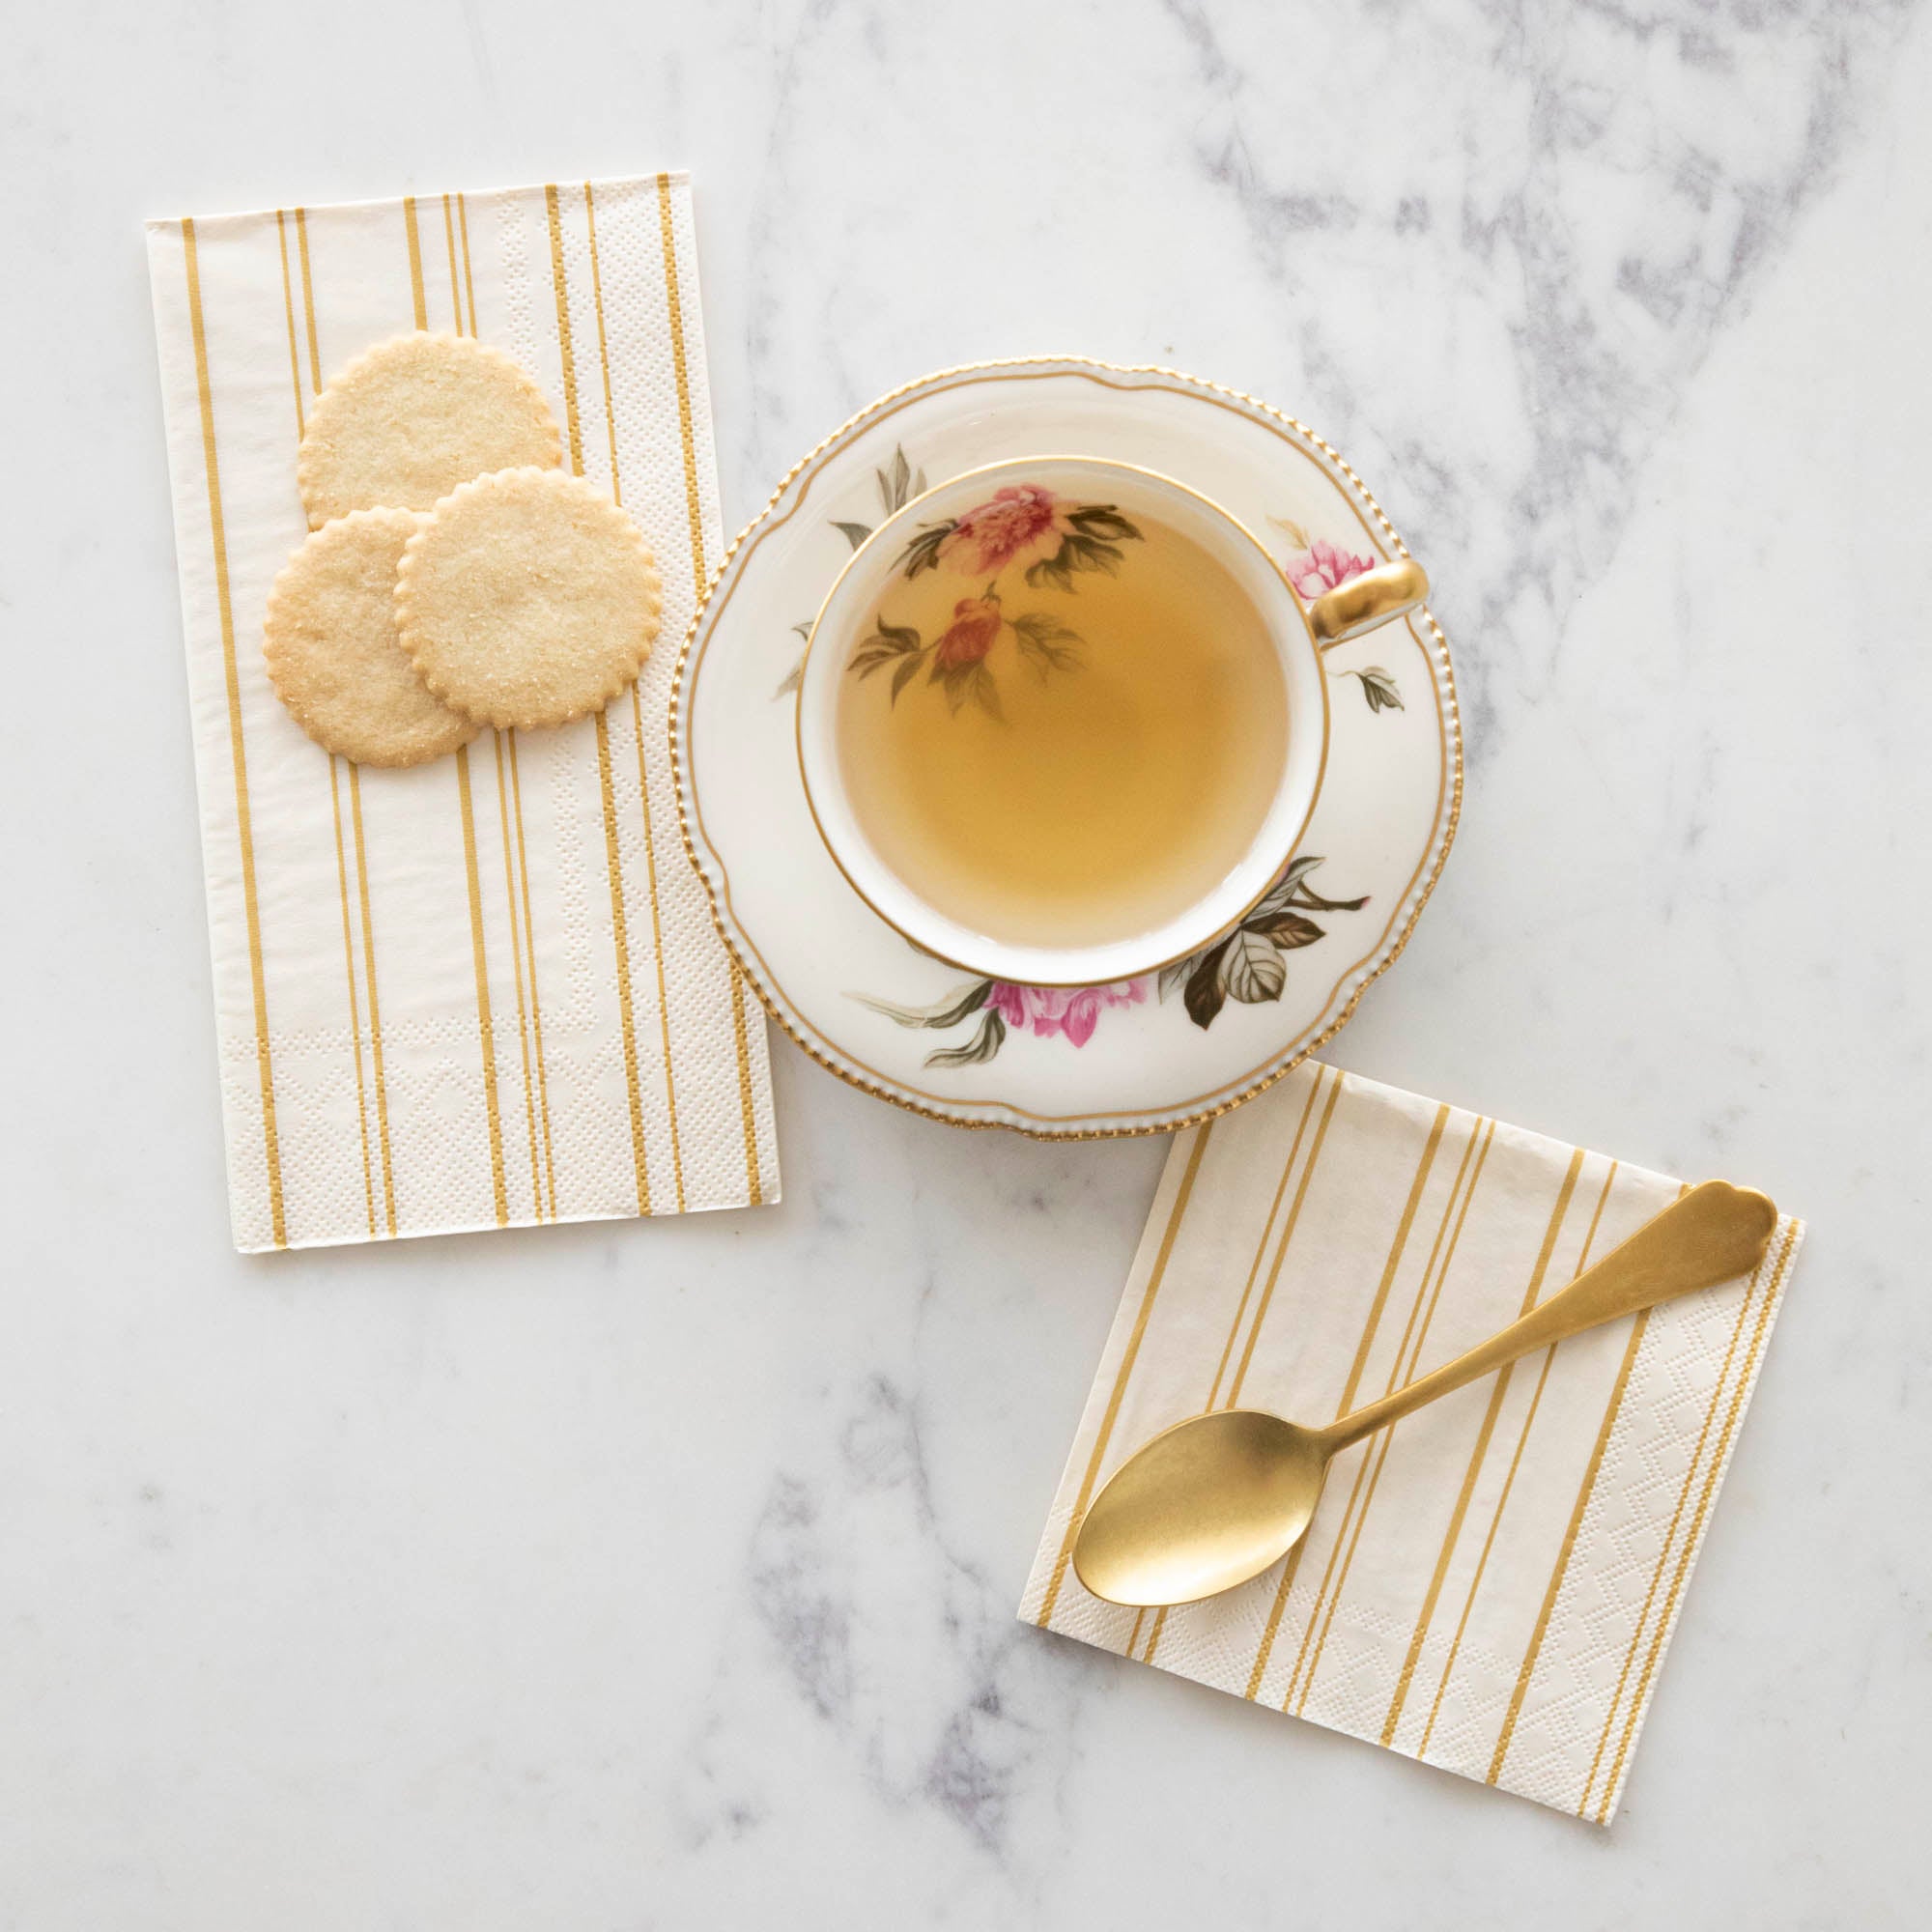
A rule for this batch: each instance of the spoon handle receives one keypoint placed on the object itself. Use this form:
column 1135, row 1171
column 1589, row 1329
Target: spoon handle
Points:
column 1714, row 1233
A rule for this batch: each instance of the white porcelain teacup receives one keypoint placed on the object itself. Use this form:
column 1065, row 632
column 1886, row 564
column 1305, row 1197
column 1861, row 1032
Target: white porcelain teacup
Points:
column 1020, row 539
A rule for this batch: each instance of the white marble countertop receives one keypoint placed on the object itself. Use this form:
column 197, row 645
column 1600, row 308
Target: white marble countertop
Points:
column 441, row 1585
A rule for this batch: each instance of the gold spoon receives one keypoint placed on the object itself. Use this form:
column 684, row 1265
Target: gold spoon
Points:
column 1217, row 1499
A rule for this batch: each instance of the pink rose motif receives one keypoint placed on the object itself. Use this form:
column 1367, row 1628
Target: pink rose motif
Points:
column 976, row 624
column 1323, row 566
column 1020, row 521
column 1073, row 1011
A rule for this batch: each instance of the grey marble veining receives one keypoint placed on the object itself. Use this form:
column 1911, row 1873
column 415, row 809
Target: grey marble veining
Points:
column 663, row 1575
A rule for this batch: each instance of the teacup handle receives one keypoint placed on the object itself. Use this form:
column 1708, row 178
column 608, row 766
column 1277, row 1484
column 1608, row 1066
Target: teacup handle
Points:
column 1390, row 591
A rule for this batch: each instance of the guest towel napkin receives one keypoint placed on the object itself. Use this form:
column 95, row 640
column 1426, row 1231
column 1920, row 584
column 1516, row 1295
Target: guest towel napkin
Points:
column 1491, row 1584
column 485, row 992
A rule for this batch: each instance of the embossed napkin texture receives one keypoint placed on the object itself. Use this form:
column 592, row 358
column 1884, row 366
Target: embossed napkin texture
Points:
column 1490, row 1585
column 485, row 992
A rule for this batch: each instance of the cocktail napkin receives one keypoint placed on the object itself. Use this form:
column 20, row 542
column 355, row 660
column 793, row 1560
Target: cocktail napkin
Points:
column 487, row 991
column 1491, row 1584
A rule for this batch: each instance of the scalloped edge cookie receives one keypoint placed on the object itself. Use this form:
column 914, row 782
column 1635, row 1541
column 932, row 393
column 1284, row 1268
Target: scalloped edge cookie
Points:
column 407, row 421
column 333, row 655
column 528, row 598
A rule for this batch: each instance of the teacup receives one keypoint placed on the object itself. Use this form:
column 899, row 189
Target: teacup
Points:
column 1063, row 720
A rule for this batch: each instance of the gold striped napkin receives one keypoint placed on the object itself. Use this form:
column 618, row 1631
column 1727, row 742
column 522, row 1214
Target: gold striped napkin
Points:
column 1491, row 1584
column 485, row 992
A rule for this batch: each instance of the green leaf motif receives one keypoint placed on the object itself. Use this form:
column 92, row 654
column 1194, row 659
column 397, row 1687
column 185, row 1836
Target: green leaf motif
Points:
column 795, row 676
column 1248, row 966
column 948, row 1013
column 903, row 676
column 854, row 533
column 887, row 644
column 1285, row 929
column 897, row 485
column 968, row 682
column 1378, row 688
column 1286, row 887
column 987, row 1038
column 1251, row 969
column 923, row 551
column 983, row 1046
column 985, row 694
column 1046, row 643
column 1315, row 902
column 1077, row 551
column 1102, row 519
column 1206, row 994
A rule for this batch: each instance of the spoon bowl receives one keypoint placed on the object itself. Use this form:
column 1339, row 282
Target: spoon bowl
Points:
column 1218, row 1498
column 1203, row 1506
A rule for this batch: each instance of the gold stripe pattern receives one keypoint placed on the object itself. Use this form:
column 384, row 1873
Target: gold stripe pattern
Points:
column 449, row 242
column 1585, row 1490
column 567, row 351
column 238, row 751
column 623, row 968
column 1718, row 1455
column 638, row 726
column 1130, row 1356
column 285, row 849
column 334, row 777
column 384, row 1149
column 1370, row 1328
column 517, row 971
column 1405, row 1371
column 1287, row 1235
column 486, row 1032
column 485, row 1028
column 468, row 280
column 530, row 950
column 1509, row 1485
column 375, row 1003
column 1663, row 1554
column 701, row 574
column 565, row 347
column 1262, row 1244
column 416, row 261
column 349, row 967
column 289, row 309
column 308, row 301
column 1498, row 1391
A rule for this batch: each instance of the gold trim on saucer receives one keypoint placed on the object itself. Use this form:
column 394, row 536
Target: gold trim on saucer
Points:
column 1425, row 874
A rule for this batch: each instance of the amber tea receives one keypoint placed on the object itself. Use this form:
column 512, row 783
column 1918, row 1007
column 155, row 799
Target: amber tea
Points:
column 1064, row 723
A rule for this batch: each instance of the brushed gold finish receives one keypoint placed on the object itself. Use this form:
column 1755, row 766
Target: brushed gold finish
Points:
column 1376, row 597
column 1220, row 1497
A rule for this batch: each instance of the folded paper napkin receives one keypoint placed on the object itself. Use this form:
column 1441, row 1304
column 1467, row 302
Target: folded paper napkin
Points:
column 1490, row 1585
column 486, row 991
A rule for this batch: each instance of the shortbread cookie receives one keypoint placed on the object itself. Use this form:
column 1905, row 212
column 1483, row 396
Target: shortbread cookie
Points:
column 408, row 421
column 333, row 654
column 528, row 598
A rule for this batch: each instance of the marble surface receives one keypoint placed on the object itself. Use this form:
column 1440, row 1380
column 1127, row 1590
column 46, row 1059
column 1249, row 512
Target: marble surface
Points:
column 660, row 1575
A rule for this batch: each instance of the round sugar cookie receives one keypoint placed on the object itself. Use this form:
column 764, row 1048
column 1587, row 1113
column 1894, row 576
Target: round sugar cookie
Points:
column 333, row 655
column 409, row 420
column 528, row 598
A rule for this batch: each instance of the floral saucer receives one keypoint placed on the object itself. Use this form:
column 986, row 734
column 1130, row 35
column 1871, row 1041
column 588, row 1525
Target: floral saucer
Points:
column 1140, row 1056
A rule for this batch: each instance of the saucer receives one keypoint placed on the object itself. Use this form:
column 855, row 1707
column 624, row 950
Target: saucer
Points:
column 1142, row 1056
